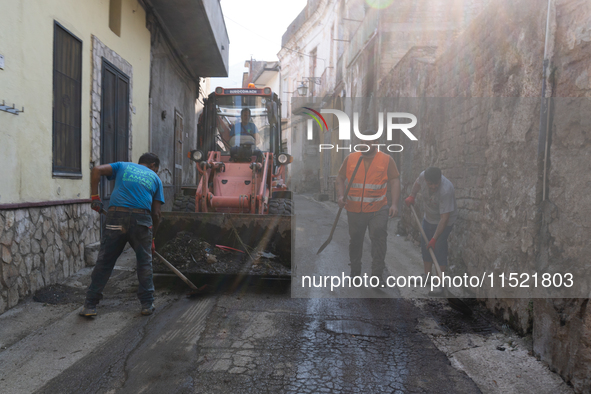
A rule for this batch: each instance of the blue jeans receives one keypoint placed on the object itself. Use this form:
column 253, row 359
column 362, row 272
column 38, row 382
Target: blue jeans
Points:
column 121, row 228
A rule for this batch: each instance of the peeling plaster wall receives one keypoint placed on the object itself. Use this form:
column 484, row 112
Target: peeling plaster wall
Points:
column 172, row 89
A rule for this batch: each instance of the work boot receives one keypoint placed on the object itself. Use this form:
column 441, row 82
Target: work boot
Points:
column 148, row 309
column 88, row 310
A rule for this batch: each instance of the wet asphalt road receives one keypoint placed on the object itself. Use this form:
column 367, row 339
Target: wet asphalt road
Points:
column 258, row 339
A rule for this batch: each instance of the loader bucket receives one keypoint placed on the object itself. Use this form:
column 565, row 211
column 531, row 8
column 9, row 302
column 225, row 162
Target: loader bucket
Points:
column 264, row 233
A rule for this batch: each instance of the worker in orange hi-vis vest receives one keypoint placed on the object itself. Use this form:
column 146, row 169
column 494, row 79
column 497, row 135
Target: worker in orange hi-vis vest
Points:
column 367, row 204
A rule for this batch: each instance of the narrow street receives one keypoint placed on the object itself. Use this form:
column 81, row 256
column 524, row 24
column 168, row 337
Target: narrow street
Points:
column 258, row 339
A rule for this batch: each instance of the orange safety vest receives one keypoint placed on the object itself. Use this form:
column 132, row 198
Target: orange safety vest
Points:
column 368, row 191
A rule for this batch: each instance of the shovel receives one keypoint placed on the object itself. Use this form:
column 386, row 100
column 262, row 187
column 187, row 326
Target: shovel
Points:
column 334, row 226
column 454, row 302
column 195, row 290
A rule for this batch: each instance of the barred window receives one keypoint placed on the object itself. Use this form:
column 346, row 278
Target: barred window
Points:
column 67, row 85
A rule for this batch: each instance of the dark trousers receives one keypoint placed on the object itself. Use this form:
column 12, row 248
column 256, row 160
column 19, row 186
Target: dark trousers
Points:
column 440, row 246
column 377, row 223
column 121, row 228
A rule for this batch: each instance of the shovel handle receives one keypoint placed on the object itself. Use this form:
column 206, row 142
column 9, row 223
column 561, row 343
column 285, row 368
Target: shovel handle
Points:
column 172, row 267
column 454, row 302
column 334, row 225
column 414, row 213
column 177, row 272
column 336, row 221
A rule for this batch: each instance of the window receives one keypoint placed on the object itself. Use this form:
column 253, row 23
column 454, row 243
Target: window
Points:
column 67, row 78
column 115, row 16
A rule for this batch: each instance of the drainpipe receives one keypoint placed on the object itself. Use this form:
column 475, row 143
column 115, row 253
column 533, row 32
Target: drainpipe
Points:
column 543, row 139
column 544, row 207
column 150, row 126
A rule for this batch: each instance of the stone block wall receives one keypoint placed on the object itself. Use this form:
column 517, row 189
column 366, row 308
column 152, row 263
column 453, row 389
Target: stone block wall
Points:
column 485, row 137
column 483, row 134
column 562, row 327
column 40, row 246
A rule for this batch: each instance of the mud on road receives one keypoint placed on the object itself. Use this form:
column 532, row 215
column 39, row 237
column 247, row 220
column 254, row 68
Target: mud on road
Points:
column 193, row 255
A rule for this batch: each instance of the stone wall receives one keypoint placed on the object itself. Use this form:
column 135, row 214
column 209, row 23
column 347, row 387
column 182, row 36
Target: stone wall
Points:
column 482, row 144
column 562, row 328
column 485, row 135
column 40, row 246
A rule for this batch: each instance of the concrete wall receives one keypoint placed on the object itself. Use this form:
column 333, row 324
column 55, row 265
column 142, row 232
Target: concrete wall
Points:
column 488, row 146
column 172, row 89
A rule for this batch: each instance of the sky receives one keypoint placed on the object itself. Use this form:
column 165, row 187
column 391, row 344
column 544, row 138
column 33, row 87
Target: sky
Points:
column 255, row 28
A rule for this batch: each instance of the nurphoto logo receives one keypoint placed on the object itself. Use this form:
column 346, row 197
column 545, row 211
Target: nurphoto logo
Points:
column 392, row 123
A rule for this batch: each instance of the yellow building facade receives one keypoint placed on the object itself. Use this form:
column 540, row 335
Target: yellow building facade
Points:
column 81, row 70
column 27, row 80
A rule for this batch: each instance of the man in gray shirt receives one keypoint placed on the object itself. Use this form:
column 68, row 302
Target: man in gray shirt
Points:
column 439, row 203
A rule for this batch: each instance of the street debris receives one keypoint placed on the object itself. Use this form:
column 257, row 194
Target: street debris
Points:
column 192, row 254
column 210, row 258
column 57, row 294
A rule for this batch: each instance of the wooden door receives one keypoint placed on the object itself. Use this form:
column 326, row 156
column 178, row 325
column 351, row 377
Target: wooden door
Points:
column 178, row 152
column 114, row 122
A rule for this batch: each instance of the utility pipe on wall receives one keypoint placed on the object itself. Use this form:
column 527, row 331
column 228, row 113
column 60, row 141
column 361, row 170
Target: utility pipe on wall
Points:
column 543, row 139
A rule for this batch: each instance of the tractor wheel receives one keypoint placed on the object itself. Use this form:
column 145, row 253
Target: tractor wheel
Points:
column 280, row 206
column 184, row 204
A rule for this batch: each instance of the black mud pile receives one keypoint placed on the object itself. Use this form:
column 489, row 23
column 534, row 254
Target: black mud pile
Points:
column 59, row 294
column 190, row 254
column 481, row 322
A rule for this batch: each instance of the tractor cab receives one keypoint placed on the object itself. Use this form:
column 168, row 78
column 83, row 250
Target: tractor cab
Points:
column 241, row 124
column 242, row 167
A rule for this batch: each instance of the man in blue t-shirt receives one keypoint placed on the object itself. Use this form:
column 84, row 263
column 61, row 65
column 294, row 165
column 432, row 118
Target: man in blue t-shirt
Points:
column 133, row 216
